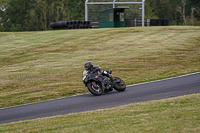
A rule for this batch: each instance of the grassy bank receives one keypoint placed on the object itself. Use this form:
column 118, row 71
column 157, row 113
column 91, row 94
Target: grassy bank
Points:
column 36, row 66
column 179, row 114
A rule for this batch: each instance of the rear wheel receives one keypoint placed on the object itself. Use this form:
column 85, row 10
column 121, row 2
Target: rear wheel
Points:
column 95, row 88
column 119, row 84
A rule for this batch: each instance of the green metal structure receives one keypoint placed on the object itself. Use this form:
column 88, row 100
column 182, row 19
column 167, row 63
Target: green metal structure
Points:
column 90, row 3
column 112, row 18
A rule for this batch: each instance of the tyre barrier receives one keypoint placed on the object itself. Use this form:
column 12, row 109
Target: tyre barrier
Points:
column 159, row 22
column 74, row 24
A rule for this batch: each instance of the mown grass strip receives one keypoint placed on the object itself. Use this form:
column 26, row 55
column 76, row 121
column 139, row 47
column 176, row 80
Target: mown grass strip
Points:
column 172, row 115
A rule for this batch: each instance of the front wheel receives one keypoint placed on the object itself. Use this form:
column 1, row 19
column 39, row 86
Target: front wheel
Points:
column 95, row 88
column 119, row 84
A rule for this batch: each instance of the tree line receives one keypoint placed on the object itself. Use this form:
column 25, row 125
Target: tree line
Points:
column 178, row 12
column 32, row 15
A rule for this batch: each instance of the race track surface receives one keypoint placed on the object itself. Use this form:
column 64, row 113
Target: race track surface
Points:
column 162, row 89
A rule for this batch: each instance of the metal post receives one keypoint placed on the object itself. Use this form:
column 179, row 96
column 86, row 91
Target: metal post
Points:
column 143, row 12
column 148, row 22
column 114, row 3
column 86, row 10
column 135, row 22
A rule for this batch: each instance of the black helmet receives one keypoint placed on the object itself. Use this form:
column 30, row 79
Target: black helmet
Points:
column 88, row 66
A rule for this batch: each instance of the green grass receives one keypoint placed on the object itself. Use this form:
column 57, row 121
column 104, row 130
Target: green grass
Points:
column 37, row 66
column 175, row 115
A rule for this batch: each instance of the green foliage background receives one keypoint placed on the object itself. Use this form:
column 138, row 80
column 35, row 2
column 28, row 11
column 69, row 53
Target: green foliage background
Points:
column 34, row 15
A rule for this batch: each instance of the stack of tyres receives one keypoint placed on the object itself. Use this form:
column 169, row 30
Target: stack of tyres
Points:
column 74, row 24
column 165, row 22
column 159, row 22
column 153, row 22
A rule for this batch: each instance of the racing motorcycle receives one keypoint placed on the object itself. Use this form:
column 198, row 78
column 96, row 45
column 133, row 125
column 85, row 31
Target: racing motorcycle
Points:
column 98, row 84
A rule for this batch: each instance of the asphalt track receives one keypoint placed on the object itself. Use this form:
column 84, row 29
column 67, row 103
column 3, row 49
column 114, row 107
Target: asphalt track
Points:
column 161, row 89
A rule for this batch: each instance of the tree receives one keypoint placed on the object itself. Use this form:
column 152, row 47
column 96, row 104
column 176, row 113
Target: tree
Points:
column 16, row 16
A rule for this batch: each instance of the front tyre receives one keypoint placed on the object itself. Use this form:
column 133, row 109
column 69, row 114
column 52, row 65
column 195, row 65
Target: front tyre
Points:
column 95, row 88
column 119, row 84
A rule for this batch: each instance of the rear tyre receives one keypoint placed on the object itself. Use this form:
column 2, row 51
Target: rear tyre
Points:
column 95, row 88
column 119, row 84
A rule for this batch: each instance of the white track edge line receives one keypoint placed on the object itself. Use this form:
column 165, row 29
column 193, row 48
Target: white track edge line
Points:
column 164, row 79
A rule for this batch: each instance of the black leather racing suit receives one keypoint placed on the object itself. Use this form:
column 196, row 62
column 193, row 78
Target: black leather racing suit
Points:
column 96, row 69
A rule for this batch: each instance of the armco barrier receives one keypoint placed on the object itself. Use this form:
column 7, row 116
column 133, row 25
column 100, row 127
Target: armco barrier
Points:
column 74, row 24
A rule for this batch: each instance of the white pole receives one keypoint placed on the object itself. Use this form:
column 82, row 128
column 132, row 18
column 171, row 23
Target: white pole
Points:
column 135, row 22
column 114, row 3
column 86, row 10
column 143, row 12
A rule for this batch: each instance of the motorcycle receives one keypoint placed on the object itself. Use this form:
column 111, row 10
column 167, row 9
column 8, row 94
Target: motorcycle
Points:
column 98, row 84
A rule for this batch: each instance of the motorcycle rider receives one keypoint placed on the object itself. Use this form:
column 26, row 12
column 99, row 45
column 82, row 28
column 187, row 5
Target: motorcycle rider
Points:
column 95, row 69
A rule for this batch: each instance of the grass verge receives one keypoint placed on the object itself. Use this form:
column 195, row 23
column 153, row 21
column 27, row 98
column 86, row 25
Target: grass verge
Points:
column 172, row 115
column 37, row 66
